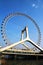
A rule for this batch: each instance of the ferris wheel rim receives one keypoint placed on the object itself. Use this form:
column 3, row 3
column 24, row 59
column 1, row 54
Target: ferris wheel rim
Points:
column 3, row 31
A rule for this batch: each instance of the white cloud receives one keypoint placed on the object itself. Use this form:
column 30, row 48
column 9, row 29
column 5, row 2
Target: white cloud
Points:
column 34, row 5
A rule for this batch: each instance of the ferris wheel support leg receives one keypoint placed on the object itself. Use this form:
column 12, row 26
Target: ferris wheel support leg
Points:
column 27, row 36
column 25, row 45
column 12, row 45
column 22, row 34
column 33, row 43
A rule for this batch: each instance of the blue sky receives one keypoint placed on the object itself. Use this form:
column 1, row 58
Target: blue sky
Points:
column 34, row 8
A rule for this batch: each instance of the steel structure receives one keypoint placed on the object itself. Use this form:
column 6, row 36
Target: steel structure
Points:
column 22, row 42
column 4, row 36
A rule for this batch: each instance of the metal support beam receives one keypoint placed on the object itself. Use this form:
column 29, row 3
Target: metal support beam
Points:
column 22, row 34
column 27, row 34
column 12, row 45
column 22, row 42
column 33, row 43
column 25, row 45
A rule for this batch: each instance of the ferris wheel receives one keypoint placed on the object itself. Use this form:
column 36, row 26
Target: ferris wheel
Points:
column 5, row 21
